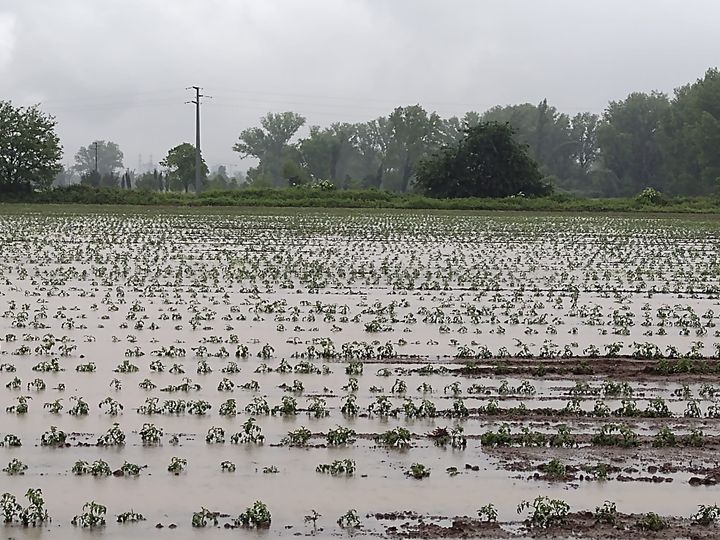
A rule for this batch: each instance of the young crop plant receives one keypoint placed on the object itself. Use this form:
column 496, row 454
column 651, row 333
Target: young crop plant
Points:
column 488, row 513
column 606, row 514
column 652, row 522
column 227, row 466
column 15, row 467
column 129, row 469
column 459, row 408
column 544, row 512
column 339, row 467
column 97, row 468
column 114, row 407
column 695, row 438
column 349, row 520
column 501, row 437
column 312, row 518
column 147, row 384
column 563, row 438
column 555, row 470
column 664, row 437
column 251, row 434
column 340, row 436
column 297, row 437
column 126, row 367
column 203, row 517
column 198, row 407
column 215, row 435
column 9, row 507
column 151, row 435
column 129, row 517
column 21, row 407
column 418, row 471
column 231, row 367
column 256, row 516
column 615, row 435
column 81, row 408
column 53, row 437
column 113, row 437
column 349, row 406
column 381, row 407
column 228, row 408
column 398, row 437
column 287, row 407
column 692, row 410
column 88, row 367
column 707, row 515
column 177, row 465
column 317, row 407
column 354, row 368
column 258, row 406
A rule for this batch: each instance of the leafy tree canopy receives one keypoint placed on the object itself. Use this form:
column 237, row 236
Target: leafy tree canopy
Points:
column 487, row 162
column 30, row 149
column 180, row 164
column 109, row 158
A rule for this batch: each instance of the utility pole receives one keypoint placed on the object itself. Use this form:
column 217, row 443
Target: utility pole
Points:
column 198, row 157
column 96, row 169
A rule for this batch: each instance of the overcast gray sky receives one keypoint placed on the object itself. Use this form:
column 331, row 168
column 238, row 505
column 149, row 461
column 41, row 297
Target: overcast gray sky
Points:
column 117, row 69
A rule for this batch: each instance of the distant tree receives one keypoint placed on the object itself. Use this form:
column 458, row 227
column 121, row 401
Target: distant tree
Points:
column 65, row 177
column 415, row 133
column 294, row 174
column 180, row 164
column 583, row 133
column 92, row 178
column 126, row 182
column 689, row 137
column 270, row 144
column 487, row 162
column 628, row 137
column 30, row 150
column 373, row 140
column 109, row 158
column 545, row 131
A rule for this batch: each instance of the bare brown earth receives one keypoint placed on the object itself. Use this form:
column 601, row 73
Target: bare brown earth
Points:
column 576, row 525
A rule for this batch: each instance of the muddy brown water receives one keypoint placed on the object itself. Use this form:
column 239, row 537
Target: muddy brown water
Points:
column 52, row 249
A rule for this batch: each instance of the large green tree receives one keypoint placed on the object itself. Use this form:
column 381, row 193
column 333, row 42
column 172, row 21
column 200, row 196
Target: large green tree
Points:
column 373, row 140
column 547, row 133
column 487, row 162
column 180, row 165
column 30, row 150
column 690, row 137
column 109, row 158
column 415, row 134
column 628, row 137
column 270, row 145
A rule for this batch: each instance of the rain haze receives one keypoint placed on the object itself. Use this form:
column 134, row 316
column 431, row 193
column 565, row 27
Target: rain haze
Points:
column 118, row 70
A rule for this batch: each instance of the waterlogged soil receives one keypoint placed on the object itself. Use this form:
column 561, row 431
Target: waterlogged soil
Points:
column 510, row 317
column 575, row 525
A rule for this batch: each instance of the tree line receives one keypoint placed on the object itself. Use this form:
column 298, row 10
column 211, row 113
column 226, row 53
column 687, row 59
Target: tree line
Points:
column 645, row 140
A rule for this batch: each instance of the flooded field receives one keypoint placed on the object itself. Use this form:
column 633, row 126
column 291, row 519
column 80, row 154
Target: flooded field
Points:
column 384, row 374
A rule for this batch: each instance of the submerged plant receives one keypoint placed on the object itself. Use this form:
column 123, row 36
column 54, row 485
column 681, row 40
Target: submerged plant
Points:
column 93, row 515
column 256, row 516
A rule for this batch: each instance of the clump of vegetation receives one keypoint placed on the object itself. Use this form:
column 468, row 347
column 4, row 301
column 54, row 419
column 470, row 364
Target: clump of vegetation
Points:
column 652, row 522
column 256, row 516
column 544, row 512
column 418, row 471
column 398, row 437
column 93, row 515
column 338, row 467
